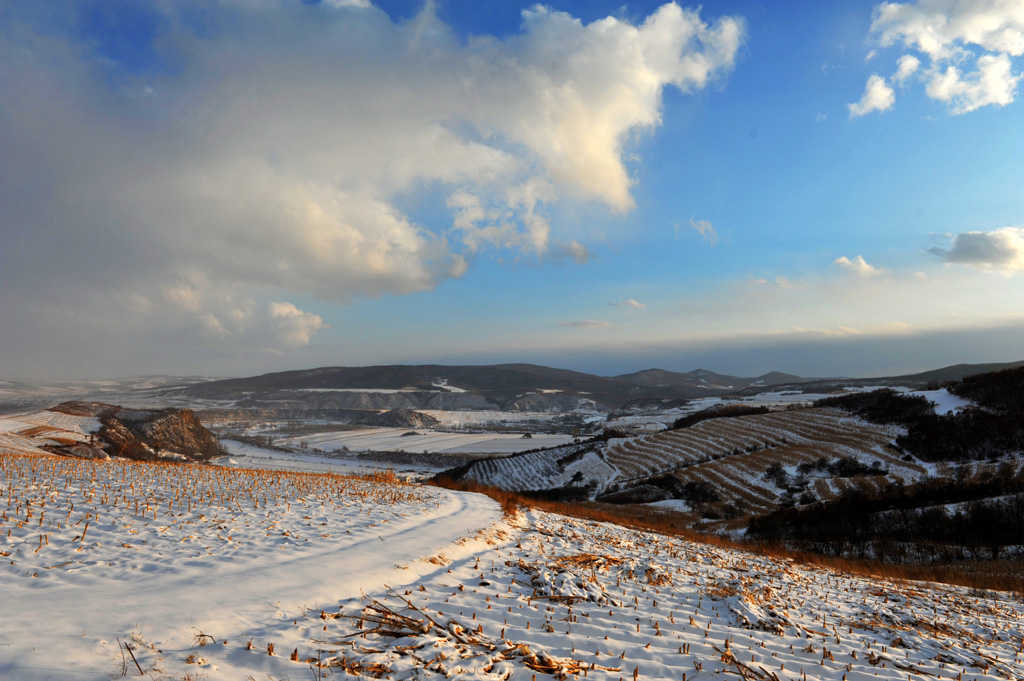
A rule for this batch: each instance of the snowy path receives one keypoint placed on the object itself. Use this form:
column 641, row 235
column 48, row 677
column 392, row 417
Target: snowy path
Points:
column 60, row 621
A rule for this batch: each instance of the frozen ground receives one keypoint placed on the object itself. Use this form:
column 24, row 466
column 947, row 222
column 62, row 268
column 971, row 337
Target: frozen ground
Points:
column 156, row 555
column 216, row 574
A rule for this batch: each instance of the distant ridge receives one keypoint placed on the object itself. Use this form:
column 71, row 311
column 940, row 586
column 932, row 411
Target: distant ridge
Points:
column 702, row 378
column 959, row 371
column 933, row 377
column 530, row 386
column 504, row 385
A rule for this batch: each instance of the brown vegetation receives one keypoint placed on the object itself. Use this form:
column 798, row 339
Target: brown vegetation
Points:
column 981, row 575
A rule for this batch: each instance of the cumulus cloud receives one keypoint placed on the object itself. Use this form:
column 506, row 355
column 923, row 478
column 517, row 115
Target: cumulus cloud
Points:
column 629, row 302
column 858, row 266
column 585, row 324
column 907, row 66
column 1000, row 250
column 295, row 327
column 878, row 96
column 969, row 47
column 706, row 230
column 277, row 151
column 992, row 83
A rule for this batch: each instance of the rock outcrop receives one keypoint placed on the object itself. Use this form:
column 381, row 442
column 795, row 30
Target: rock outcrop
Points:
column 148, row 434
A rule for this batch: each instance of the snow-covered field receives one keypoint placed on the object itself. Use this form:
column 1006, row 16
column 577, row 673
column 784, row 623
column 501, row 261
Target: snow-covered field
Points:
column 156, row 555
column 203, row 573
column 244, row 455
column 25, row 432
column 481, row 417
column 397, row 439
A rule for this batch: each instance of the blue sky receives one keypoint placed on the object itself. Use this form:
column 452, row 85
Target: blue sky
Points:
column 231, row 188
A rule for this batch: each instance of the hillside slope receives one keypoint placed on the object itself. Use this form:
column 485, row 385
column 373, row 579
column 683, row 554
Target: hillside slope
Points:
column 333, row 577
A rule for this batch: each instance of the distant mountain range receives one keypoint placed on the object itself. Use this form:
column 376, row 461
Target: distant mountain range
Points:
column 499, row 384
column 531, row 387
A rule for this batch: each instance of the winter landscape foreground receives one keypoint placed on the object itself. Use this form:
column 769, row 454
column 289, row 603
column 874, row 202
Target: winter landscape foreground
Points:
column 117, row 568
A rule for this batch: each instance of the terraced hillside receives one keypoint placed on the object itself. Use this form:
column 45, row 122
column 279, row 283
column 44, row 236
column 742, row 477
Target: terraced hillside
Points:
column 790, row 437
column 731, row 455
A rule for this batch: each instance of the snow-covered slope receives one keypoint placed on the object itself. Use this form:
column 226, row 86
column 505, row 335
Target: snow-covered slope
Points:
column 227, row 574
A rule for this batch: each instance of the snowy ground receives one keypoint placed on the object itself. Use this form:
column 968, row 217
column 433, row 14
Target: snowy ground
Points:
column 229, row 574
column 944, row 400
column 561, row 597
column 396, row 439
column 244, row 455
column 480, row 418
column 154, row 555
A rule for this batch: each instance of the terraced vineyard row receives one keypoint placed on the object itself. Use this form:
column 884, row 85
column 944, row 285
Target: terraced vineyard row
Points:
column 793, row 436
column 545, row 469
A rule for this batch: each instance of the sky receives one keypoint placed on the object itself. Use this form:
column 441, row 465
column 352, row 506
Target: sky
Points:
column 235, row 187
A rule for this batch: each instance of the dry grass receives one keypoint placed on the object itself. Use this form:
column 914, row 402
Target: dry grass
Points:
column 55, row 496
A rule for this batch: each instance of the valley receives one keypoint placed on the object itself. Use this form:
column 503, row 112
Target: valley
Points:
column 608, row 547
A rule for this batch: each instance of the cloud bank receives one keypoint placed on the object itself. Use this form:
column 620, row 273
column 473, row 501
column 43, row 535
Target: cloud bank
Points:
column 276, row 148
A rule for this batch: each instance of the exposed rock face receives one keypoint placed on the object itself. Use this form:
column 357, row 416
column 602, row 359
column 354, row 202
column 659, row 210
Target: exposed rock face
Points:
column 148, row 434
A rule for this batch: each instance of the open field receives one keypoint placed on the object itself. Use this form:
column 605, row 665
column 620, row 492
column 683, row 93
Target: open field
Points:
column 398, row 439
column 152, row 554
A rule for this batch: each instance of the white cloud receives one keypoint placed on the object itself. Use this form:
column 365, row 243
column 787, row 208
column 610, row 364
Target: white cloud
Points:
column 706, row 230
column 295, row 327
column 280, row 171
column 878, row 96
column 981, row 35
column 907, row 66
column 346, row 3
column 858, row 266
column 785, row 283
column 993, row 83
column 941, row 28
column 780, row 283
column 585, row 324
column 629, row 302
column 999, row 250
